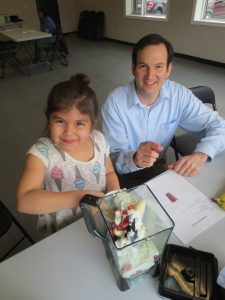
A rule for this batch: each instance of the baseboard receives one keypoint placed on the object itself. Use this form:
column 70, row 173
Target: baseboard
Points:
column 69, row 33
column 185, row 56
column 200, row 60
column 119, row 41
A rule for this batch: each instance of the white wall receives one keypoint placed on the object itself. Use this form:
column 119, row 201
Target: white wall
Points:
column 195, row 40
column 68, row 15
column 27, row 10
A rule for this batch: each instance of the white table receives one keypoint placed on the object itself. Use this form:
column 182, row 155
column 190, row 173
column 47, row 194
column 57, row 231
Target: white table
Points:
column 71, row 264
column 24, row 34
column 24, row 37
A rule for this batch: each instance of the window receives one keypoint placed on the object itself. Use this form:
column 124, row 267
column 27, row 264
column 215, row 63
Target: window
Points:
column 147, row 9
column 209, row 11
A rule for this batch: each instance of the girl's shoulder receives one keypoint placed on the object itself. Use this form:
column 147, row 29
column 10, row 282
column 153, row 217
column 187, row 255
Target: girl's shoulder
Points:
column 97, row 134
column 43, row 144
column 99, row 140
column 44, row 149
column 98, row 137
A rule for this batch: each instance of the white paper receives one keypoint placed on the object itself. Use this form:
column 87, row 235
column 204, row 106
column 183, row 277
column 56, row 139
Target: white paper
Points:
column 191, row 211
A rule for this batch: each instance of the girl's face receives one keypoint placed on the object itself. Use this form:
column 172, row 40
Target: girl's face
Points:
column 69, row 129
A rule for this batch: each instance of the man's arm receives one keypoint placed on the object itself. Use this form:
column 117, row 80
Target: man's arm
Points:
column 199, row 118
column 115, row 134
column 125, row 157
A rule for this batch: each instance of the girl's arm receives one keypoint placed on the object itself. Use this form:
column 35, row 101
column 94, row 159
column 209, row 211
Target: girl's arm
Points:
column 112, row 182
column 32, row 199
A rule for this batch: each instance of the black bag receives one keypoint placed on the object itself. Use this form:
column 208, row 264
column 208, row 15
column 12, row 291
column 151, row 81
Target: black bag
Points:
column 91, row 25
column 15, row 19
column 83, row 24
column 100, row 20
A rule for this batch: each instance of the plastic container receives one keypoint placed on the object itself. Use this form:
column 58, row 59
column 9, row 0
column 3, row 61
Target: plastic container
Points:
column 134, row 229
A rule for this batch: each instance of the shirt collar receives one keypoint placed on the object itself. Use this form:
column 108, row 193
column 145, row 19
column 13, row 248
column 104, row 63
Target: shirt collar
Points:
column 134, row 100
column 132, row 95
column 164, row 93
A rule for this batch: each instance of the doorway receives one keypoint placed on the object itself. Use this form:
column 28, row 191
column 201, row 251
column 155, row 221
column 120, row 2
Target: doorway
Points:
column 52, row 8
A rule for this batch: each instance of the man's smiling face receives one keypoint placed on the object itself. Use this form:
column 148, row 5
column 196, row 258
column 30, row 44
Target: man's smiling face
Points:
column 150, row 72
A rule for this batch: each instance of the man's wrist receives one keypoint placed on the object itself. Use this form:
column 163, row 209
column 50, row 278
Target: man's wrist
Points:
column 203, row 156
column 135, row 161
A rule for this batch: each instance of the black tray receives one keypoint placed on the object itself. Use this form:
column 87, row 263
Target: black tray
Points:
column 187, row 273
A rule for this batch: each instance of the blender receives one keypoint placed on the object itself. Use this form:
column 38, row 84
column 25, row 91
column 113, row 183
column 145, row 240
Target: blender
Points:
column 134, row 229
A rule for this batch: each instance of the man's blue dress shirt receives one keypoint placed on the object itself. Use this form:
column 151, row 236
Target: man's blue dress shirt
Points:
column 47, row 22
column 127, row 122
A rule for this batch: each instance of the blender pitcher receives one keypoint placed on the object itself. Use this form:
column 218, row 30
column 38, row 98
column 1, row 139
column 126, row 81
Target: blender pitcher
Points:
column 134, row 229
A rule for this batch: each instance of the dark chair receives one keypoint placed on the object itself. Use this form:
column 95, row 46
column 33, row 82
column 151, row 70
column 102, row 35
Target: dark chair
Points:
column 100, row 20
column 57, row 49
column 185, row 143
column 91, row 26
column 8, row 55
column 83, row 24
column 6, row 221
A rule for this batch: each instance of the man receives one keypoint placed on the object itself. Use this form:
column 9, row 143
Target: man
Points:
column 141, row 118
column 46, row 25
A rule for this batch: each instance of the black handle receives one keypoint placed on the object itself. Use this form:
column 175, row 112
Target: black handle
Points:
column 85, row 203
column 89, row 199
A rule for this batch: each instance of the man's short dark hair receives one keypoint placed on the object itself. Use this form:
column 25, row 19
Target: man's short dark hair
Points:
column 43, row 10
column 149, row 40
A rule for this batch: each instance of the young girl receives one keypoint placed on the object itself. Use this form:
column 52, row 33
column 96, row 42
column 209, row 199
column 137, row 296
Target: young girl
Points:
column 71, row 161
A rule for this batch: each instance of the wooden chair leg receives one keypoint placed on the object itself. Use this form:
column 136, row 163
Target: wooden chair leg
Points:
column 64, row 61
column 52, row 59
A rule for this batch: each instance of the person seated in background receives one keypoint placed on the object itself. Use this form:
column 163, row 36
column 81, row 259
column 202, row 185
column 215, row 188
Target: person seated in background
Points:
column 46, row 25
column 141, row 118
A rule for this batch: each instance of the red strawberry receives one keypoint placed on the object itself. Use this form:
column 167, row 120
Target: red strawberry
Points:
column 126, row 268
column 124, row 224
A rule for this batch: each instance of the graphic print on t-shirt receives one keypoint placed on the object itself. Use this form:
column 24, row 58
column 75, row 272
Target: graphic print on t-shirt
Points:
column 79, row 181
column 57, row 175
column 96, row 170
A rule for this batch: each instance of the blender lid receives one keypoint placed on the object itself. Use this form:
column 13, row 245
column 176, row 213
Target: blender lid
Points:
column 188, row 274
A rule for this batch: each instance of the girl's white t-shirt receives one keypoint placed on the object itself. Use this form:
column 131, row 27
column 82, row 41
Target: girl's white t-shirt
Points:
column 64, row 173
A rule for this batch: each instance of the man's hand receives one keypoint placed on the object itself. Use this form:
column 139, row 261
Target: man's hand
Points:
column 189, row 165
column 147, row 154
